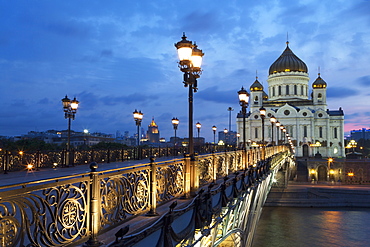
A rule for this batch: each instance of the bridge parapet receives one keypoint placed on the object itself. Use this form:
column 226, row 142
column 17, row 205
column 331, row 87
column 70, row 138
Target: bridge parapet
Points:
column 78, row 208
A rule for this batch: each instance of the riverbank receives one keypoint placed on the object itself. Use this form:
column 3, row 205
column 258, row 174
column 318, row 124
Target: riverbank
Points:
column 319, row 195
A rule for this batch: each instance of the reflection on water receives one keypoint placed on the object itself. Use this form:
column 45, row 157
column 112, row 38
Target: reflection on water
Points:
column 290, row 227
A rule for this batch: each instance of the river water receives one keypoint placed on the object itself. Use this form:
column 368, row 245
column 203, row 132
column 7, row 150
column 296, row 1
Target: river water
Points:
column 313, row 227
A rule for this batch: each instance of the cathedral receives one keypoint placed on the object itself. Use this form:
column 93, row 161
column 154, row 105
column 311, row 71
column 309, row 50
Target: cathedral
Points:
column 312, row 127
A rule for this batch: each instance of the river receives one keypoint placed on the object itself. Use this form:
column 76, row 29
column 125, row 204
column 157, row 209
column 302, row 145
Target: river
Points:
column 313, row 227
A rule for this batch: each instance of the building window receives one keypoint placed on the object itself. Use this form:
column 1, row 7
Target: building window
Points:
column 335, row 133
column 255, row 132
column 286, row 112
column 305, row 131
column 287, row 89
column 320, row 132
column 273, row 91
column 295, row 89
column 304, row 114
column 279, row 90
column 302, row 90
column 256, row 100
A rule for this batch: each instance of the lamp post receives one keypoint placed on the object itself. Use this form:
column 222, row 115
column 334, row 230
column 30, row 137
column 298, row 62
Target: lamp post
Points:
column 237, row 141
column 70, row 109
column 175, row 123
column 284, row 134
column 273, row 121
column 281, row 132
column 138, row 117
column 214, row 128
column 243, row 101
column 198, row 125
column 277, row 132
column 230, row 109
column 190, row 64
column 226, row 141
column 263, row 115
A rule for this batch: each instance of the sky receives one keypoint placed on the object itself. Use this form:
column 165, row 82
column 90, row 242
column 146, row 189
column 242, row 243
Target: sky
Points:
column 118, row 56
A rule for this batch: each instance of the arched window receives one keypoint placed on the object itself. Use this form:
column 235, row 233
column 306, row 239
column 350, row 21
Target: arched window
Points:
column 255, row 132
column 256, row 100
column 319, row 96
column 287, row 89
column 295, row 89
column 320, row 132
column 302, row 90
column 273, row 91
column 335, row 132
column 305, row 131
column 279, row 90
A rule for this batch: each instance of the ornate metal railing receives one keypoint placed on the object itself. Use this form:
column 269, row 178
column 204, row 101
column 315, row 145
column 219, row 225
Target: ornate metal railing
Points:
column 75, row 209
column 230, row 207
column 15, row 161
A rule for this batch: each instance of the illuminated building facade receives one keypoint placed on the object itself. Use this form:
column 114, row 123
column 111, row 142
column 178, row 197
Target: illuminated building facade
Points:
column 153, row 133
column 312, row 127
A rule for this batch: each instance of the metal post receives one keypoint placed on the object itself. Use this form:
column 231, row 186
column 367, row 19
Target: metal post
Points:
column 263, row 130
column 153, row 188
column 68, row 141
column 95, row 207
column 272, row 133
column 191, row 144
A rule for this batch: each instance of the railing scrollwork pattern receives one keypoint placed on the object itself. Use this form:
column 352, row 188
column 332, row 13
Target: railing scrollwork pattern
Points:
column 57, row 212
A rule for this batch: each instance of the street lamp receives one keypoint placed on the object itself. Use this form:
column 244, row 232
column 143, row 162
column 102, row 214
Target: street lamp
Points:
column 243, row 101
column 70, row 109
column 190, row 64
column 214, row 128
column 198, row 125
column 263, row 115
column 138, row 117
column 273, row 121
column 281, row 133
column 277, row 132
column 175, row 123
column 225, row 134
column 230, row 109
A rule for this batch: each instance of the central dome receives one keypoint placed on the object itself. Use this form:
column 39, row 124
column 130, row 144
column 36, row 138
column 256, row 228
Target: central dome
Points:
column 287, row 62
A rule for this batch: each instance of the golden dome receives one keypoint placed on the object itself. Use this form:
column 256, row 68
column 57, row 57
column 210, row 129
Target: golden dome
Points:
column 256, row 86
column 287, row 62
column 319, row 83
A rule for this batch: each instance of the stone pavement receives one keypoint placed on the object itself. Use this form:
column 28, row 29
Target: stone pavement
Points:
column 320, row 195
column 46, row 173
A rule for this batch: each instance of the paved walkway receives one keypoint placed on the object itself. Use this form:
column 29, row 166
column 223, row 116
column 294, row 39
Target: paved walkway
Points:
column 297, row 185
column 45, row 173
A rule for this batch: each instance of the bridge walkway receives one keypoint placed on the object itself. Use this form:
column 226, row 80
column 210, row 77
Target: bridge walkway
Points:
column 40, row 206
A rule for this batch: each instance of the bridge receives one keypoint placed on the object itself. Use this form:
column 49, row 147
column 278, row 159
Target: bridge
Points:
column 212, row 200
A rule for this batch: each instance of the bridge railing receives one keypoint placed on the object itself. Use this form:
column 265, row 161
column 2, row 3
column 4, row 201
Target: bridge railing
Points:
column 77, row 208
column 15, row 161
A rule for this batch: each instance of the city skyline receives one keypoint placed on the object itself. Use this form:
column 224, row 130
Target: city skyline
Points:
column 118, row 57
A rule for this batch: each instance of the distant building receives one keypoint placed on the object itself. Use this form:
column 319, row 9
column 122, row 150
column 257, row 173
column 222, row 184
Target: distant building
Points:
column 46, row 136
column 311, row 126
column 229, row 138
column 360, row 134
column 153, row 133
column 83, row 138
column 60, row 137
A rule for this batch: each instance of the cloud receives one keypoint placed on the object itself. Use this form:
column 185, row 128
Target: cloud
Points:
column 212, row 94
column 339, row 92
column 364, row 81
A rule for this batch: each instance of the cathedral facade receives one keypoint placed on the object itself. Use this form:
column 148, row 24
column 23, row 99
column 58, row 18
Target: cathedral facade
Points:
column 312, row 127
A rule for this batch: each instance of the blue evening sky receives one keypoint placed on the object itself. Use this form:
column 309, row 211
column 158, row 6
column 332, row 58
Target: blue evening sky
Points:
column 118, row 56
